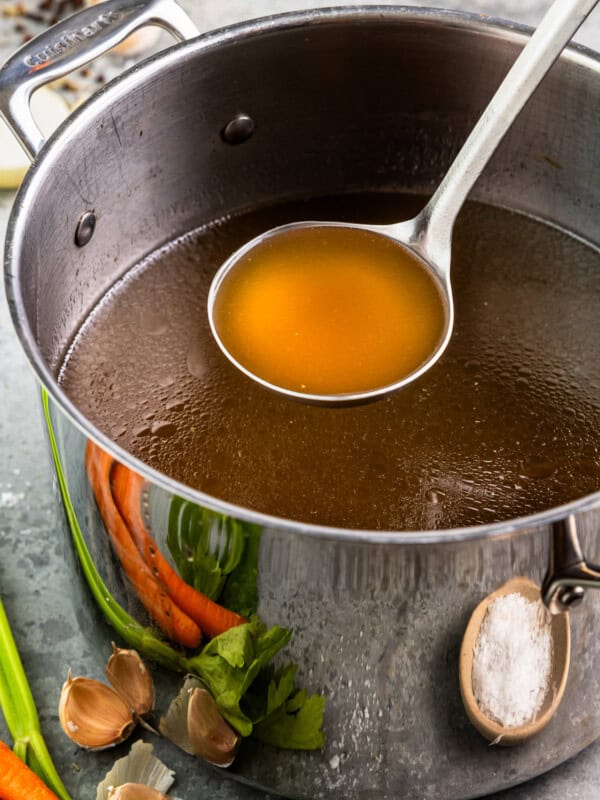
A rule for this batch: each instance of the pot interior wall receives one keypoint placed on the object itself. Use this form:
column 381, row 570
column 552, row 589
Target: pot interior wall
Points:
column 369, row 102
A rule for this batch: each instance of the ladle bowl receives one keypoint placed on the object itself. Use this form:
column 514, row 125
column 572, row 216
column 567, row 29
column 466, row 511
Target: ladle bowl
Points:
column 428, row 236
column 442, row 281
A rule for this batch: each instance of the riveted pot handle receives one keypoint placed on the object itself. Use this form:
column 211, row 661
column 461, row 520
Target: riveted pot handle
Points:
column 71, row 44
column 568, row 572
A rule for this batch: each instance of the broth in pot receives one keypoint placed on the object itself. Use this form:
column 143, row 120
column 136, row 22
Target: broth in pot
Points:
column 506, row 424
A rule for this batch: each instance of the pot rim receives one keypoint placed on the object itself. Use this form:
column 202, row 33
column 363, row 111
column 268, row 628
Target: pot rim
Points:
column 120, row 87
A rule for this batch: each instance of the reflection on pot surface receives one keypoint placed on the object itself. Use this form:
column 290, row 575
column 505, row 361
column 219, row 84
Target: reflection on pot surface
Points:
column 505, row 425
column 207, row 588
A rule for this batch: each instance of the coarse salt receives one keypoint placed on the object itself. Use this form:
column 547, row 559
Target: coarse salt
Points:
column 512, row 660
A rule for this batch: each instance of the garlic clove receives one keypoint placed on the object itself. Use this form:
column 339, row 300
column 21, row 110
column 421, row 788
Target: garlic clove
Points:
column 135, row 791
column 92, row 714
column 174, row 725
column 139, row 766
column 210, row 736
column 130, row 677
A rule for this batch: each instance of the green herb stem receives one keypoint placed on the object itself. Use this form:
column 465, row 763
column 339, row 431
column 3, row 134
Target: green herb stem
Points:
column 136, row 635
column 20, row 713
column 15, row 696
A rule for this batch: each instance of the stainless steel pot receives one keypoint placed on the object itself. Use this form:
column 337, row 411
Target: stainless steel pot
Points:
column 362, row 98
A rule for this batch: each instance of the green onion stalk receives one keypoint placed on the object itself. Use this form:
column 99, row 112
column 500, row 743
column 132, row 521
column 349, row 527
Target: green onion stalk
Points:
column 142, row 639
column 20, row 713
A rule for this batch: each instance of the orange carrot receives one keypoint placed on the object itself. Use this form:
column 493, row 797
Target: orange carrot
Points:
column 17, row 781
column 168, row 616
column 210, row 616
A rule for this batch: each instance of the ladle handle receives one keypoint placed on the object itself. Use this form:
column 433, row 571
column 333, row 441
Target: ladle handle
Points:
column 71, row 44
column 434, row 225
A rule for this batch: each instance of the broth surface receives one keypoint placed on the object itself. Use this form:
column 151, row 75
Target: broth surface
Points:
column 330, row 310
column 507, row 423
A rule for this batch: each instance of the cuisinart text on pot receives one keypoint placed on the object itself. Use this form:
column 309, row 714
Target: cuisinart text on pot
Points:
column 71, row 39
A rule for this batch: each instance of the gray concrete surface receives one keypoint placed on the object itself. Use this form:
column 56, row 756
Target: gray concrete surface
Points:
column 34, row 573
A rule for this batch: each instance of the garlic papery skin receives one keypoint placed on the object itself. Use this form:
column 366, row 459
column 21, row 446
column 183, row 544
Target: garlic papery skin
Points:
column 93, row 715
column 139, row 766
column 130, row 677
column 135, row 791
column 210, row 736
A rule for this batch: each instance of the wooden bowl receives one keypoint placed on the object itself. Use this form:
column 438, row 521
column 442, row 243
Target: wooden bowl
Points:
column 561, row 654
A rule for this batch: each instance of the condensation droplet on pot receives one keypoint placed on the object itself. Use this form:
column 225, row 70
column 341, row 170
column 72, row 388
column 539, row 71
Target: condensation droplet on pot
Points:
column 163, row 429
column 196, row 361
column 141, row 430
column 175, row 404
column 538, row 468
column 154, row 323
column 472, row 366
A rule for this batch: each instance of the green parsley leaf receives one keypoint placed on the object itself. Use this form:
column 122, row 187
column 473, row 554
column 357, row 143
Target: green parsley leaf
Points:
column 296, row 725
column 231, row 662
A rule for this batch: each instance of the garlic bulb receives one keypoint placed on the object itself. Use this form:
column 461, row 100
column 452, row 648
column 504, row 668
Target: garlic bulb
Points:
column 130, row 677
column 135, row 791
column 93, row 715
column 210, row 736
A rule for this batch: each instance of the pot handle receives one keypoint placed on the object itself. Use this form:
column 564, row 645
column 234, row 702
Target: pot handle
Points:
column 71, row 44
column 568, row 571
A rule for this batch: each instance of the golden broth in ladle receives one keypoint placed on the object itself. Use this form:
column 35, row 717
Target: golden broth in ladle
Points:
column 330, row 310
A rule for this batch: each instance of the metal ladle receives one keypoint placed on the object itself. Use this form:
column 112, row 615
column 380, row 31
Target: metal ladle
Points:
column 429, row 235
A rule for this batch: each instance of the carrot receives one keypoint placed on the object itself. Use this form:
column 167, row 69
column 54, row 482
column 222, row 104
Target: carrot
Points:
column 17, row 781
column 210, row 616
column 168, row 616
